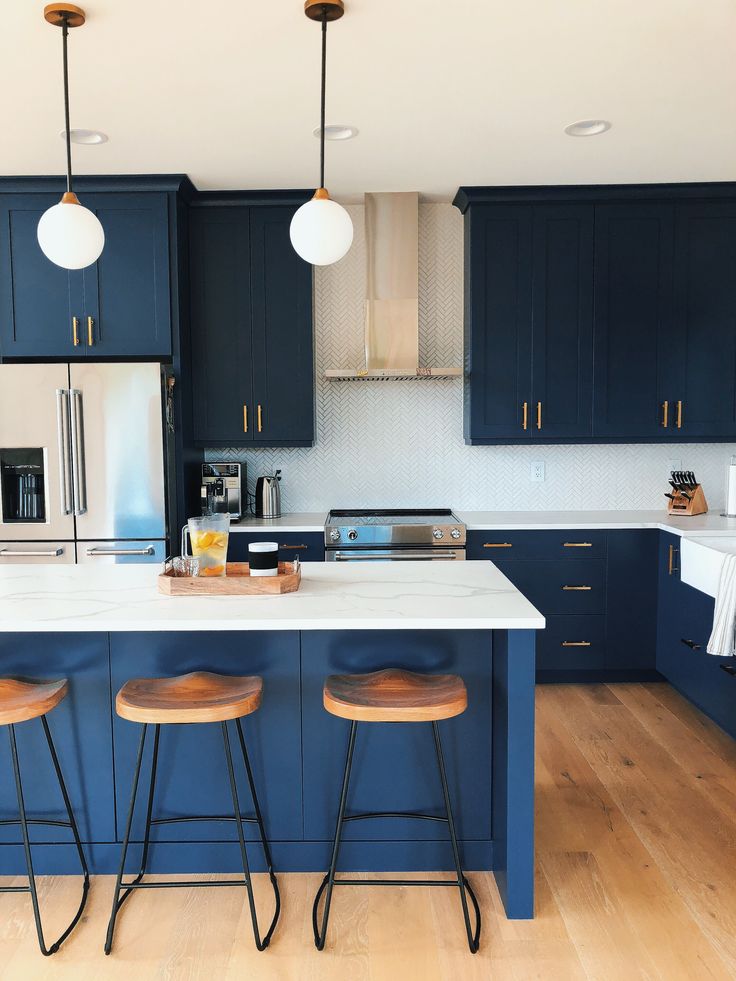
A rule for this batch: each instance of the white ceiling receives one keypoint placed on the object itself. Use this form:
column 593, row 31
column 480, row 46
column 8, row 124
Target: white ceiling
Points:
column 444, row 92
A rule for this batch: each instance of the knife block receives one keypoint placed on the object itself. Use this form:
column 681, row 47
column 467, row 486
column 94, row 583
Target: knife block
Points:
column 681, row 506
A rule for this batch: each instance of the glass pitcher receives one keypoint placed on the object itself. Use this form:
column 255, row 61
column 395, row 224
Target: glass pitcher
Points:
column 209, row 536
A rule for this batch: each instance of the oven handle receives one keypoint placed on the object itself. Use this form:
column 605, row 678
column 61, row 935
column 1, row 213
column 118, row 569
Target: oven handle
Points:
column 429, row 556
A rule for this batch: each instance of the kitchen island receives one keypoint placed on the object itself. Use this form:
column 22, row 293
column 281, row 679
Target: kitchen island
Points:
column 99, row 627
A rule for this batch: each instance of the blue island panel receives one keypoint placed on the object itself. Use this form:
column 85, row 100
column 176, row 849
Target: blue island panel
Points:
column 81, row 728
column 394, row 767
column 192, row 774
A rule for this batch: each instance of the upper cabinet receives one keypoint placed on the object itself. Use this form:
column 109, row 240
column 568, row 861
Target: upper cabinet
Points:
column 600, row 314
column 634, row 249
column 120, row 306
column 528, row 321
column 251, row 324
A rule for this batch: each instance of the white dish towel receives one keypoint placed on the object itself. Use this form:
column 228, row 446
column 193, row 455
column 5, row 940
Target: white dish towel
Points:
column 722, row 639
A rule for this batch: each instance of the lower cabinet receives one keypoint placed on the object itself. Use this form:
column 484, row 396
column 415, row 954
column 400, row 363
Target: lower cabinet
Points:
column 308, row 546
column 597, row 590
column 685, row 620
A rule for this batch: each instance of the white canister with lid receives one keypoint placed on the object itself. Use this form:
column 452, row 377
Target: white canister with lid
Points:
column 263, row 558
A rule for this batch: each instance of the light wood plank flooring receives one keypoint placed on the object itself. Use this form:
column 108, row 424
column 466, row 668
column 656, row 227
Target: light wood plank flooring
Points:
column 636, row 878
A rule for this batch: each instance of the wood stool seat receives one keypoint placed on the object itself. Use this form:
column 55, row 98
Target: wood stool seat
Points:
column 200, row 696
column 394, row 695
column 24, row 699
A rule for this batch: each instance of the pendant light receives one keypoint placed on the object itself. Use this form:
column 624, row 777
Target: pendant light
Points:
column 70, row 235
column 321, row 230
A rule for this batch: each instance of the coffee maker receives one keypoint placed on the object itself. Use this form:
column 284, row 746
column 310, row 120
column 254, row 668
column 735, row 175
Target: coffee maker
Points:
column 223, row 489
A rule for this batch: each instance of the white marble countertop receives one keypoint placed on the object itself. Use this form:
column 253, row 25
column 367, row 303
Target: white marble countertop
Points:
column 707, row 524
column 298, row 521
column 392, row 596
column 712, row 523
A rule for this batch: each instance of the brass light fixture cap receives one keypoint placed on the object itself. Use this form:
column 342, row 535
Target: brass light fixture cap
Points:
column 321, row 194
column 57, row 13
column 69, row 197
column 314, row 9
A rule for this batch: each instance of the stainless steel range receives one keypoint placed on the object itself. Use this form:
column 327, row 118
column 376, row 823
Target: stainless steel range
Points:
column 364, row 536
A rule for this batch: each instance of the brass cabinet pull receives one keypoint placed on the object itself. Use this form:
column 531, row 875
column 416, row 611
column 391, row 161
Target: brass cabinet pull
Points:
column 260, row 419
column 245, row 418
column 75, row 331
column 497, row 545
column 577, row 589
column 671, row 570
column 576, row 643
column 294, row 546
column 577, row 544
column 679, row 414
column 525, row 410
column 90, row 331
column 539, row 415
column 665, row 413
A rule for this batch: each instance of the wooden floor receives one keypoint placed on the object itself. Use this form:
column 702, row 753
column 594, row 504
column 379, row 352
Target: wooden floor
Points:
column 636, row 878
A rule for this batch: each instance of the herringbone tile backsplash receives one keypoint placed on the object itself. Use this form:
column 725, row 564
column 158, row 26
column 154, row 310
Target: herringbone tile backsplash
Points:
column 400, row 444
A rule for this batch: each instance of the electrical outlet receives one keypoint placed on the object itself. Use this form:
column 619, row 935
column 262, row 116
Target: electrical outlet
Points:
column 537, row 471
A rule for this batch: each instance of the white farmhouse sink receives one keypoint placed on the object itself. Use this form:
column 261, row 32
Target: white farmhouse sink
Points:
column 701, row 560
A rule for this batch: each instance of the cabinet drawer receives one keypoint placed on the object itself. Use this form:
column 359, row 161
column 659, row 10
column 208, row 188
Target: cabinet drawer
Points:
column 572, row 643
column 565, row 544
column 558, row 586
column 309, row 546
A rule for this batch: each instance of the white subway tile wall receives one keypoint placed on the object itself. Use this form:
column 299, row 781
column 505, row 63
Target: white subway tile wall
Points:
column 400, row 444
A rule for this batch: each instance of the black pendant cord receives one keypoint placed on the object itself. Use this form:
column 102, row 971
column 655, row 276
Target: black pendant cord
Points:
column 65, row 35
column 322, row 100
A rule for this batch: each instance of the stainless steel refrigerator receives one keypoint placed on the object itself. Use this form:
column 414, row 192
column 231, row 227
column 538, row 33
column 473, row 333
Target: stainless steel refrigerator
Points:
column 82, row 472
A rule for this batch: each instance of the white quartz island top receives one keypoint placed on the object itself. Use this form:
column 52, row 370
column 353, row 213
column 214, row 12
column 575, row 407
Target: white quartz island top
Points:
column 332, row 596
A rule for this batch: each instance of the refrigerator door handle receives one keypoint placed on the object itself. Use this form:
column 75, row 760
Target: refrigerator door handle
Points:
column 38, row 552
column 97, row 550
column 65, row 449
column 79, row 476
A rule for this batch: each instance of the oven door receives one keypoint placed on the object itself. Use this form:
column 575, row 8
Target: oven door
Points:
column 408, row 554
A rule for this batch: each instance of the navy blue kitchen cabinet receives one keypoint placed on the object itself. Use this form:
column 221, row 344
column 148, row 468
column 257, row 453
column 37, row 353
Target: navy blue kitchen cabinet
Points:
column 37, row 298
column 597, row 591
column 634, row 249
column 685, row 620
column 118, row 307
column 252, row 370
column 600, row 314
column 528, row 322
column 221, row 373
column 703, row 390
column 308, row 546
column 127, row 309
column 498, row 323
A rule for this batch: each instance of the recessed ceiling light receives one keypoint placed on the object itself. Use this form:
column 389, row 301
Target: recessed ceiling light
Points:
column 86, row 137
column 588, row 127
column 337, row 131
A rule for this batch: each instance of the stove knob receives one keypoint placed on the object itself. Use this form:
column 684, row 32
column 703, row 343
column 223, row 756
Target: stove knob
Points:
column 352, row 534
column 455, row 532
column 335, row 535
column 438, row 533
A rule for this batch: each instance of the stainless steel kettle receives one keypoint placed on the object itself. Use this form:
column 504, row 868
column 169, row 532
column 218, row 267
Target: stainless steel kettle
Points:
column 268, row 496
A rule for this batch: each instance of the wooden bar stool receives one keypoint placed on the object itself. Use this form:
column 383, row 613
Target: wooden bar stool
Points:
column 192, row 698
column 393, row 695
column 20, row 701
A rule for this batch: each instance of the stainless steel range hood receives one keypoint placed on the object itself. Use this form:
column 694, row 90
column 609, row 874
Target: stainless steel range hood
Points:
column 392, row 303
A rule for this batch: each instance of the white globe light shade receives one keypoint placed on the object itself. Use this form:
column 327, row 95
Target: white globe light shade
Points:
column 70, row 235
column 321, row 231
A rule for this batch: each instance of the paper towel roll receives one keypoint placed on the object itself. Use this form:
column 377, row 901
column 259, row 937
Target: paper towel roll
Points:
column 731, row 489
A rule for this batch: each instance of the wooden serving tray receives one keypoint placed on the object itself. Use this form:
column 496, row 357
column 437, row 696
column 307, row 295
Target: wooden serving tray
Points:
column 237, row 582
